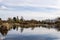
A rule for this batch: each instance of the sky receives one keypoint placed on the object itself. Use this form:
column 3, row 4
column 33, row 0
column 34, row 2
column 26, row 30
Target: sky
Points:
column 30, row 9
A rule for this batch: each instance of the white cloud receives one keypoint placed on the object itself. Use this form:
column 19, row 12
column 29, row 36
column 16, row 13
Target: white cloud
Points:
column 34, row 3
column 3, row 7
column 58, row 4
column 29, row 14
column 1, row 0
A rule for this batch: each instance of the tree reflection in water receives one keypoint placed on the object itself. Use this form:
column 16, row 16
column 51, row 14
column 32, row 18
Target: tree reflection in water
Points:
column 4, row 30
column 22, row 29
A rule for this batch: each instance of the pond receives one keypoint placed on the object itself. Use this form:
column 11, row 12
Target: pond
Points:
column 36, row 33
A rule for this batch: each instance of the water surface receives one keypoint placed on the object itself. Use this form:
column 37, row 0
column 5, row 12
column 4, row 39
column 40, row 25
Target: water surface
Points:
column 37, row 33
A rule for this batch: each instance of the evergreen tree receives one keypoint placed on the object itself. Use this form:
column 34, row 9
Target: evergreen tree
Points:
column 22, row 19
column 14, row 19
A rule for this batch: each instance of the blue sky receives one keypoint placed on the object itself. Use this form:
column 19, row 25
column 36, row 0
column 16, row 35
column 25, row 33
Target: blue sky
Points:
column 30, row 9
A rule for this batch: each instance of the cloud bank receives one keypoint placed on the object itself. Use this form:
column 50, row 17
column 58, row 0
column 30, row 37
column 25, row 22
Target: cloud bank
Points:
column 32, row 8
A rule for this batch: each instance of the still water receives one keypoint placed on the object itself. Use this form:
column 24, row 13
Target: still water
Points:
column 37, row 33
